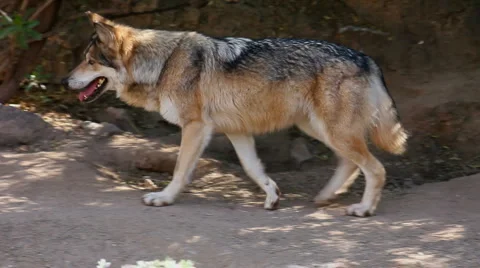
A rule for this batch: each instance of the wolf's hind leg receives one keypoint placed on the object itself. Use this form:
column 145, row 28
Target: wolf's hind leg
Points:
column 349, row 143
column 345, row 173
column 195, row 137
column 245, row 148
column 354, row 147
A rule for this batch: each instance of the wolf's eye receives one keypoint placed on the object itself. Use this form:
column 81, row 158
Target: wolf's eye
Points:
column 103, row 58
column 91, row 62
column 105, row 61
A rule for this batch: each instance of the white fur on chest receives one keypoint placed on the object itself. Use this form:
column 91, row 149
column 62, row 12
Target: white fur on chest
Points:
column 169, row 111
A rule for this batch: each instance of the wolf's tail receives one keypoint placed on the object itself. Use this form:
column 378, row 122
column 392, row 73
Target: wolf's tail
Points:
column 386, row 131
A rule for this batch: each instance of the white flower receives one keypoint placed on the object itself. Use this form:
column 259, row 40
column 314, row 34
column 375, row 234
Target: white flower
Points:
column 103, row 264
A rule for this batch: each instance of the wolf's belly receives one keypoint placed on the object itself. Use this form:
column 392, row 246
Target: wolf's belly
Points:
column 253, row 121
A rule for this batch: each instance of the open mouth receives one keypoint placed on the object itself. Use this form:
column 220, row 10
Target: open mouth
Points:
column 93, row 90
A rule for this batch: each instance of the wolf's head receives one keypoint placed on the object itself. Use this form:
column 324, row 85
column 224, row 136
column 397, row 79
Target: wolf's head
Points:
column 103, row 65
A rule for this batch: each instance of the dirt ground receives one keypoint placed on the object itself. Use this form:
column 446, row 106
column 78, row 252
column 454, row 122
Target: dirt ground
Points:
column 57, row 210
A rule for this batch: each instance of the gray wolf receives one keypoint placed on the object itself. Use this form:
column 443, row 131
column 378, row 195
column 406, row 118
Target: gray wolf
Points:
column 243, row 87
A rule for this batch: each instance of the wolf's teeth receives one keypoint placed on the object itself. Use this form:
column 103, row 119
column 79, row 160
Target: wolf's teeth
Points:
column 100, row 82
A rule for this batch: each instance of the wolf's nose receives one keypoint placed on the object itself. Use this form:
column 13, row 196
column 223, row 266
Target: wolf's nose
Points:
column 64, row 82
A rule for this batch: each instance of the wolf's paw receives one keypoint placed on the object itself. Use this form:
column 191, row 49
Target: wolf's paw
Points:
column 360, row 210
column 158, row 199
column 273, row 200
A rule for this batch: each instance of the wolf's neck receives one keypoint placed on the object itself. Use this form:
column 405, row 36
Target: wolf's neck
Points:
column 152, row 50
column 141, row 96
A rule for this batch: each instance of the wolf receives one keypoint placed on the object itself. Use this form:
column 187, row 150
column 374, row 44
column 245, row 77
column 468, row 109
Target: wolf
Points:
column 243, row 87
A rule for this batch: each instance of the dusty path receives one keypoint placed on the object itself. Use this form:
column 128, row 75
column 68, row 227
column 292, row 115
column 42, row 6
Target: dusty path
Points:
column 58, row 212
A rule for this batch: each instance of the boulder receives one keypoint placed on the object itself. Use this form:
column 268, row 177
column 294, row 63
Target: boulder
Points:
column 299, row 151
column 18, row 127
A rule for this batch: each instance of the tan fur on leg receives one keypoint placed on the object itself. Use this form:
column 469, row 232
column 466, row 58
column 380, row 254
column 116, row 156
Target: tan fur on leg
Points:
column 195, row 137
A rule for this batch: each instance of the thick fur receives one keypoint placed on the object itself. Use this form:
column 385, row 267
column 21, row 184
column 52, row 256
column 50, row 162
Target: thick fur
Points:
column 243, row 87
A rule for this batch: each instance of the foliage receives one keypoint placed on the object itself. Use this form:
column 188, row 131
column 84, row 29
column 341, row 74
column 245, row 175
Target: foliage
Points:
column 19, row 28
column 167, row 263
column 36, row 79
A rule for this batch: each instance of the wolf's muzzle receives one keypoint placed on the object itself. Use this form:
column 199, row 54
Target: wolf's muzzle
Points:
column 64, row 82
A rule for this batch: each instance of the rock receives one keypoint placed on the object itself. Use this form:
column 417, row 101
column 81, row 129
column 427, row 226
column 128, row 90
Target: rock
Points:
column 117, row 116
column 103, row 129
column 273, row 149
column 19, row 127
column 454, row 124
column 108, row 130
column 152, row 160
column 299, row 151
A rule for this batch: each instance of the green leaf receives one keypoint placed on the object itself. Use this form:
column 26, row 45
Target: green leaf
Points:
column 45, row 99
column 29, row 87
column 6, row 32
column 31, row 24
column 186, row 264
column 21, row 40
column 34, row 35
column 17, row 20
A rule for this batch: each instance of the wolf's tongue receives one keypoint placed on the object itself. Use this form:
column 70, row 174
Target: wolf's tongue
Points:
column 89, row 91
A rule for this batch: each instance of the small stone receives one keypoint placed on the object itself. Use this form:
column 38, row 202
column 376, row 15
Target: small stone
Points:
column 148, row 183
column 103, row 129
column 90, row 126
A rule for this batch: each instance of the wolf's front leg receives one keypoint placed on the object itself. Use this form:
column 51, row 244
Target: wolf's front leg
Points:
column 195, row 137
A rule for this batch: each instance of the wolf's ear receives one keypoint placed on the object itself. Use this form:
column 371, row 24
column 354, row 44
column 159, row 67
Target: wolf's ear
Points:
column 96, row 18
column 103, row 27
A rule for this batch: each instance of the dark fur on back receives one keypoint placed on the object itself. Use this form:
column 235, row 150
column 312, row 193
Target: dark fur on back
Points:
column 292, row 57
